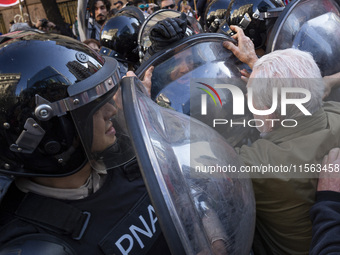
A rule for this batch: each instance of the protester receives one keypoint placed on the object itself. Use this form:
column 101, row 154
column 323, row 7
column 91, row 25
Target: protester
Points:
column 186, row 8
column 20, row 27
column 75, row 30
column 168, row 4
column 45, row 25
column 331, row 82
column 283, row 200
column 99, row 12
column 49, row 27
column 10, row 25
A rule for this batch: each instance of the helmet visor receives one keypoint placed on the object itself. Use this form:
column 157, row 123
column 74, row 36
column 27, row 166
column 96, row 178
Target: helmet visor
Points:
column 102, row 130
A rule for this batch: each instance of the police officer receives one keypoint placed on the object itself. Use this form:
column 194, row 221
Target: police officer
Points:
column 69, row 183
column 118, row 37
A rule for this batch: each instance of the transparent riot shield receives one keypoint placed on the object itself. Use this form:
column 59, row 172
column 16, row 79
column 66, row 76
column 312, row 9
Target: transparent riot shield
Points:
column 83, row 15
column 204, row 204
column 312, row 26
column 193, row 66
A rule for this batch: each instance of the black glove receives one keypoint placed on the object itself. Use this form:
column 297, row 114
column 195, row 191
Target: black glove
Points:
column 167, row 31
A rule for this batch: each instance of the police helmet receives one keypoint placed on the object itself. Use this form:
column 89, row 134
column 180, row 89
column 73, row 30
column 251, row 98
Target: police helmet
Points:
column 59, row 101
column 120, row 34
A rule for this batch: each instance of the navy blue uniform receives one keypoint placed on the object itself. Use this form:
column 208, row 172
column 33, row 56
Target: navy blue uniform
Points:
column 118, row 219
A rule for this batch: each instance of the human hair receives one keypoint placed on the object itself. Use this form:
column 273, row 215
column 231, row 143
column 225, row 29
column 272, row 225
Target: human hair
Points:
column 20, row 27
column 289, row 68
column 166, row 0
column 107, row 4
column 91, row 40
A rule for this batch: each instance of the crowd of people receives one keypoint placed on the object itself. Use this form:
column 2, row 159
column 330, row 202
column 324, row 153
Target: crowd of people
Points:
column 70, row 182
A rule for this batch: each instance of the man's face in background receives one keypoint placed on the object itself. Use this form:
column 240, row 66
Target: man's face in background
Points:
column 100, row 12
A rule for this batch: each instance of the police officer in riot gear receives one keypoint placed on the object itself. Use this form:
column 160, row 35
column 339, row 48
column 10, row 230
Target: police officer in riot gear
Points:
column 69, row 182
column 118, row 37
column 62, row 129
column 99, row 10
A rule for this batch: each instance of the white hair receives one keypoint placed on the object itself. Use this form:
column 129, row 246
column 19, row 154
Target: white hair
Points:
column 20, row 27
column 289, row 68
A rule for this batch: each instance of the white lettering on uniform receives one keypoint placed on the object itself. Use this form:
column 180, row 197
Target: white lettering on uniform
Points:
column 136, row 230
column 121, row 248
column 152, row 219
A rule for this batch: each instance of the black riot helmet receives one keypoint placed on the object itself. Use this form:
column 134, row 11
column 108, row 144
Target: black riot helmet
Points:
column 254, row 17
column 119, row 34
column 191, row 70
column 59, row 107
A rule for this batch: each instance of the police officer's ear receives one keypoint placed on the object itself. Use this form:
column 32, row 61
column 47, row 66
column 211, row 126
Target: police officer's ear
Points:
column 166, row 32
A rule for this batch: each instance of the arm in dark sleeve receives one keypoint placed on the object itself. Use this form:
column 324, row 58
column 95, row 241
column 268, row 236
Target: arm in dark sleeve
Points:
column 325, row 216
column 201, row 4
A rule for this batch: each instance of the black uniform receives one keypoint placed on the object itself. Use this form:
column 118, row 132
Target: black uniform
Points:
column 117, row 219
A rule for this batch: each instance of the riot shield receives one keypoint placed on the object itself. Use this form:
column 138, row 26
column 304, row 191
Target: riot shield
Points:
column 193, row 65
column 202, row 207
column 83, row 15
column 312, row 26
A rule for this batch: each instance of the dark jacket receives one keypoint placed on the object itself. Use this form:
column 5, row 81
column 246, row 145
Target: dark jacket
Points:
column 325, row 215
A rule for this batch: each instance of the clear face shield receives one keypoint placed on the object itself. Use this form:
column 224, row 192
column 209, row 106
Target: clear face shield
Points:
column 186, row 74
column 312, row 26
column 101, row 127
column 96, row 109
